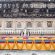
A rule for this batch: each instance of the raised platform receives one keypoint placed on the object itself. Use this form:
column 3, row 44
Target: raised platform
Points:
column 31, row 43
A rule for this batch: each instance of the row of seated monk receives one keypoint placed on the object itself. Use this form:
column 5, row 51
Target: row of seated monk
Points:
column 27, row 41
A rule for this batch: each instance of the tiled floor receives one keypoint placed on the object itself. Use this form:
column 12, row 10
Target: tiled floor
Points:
column 16, row 52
